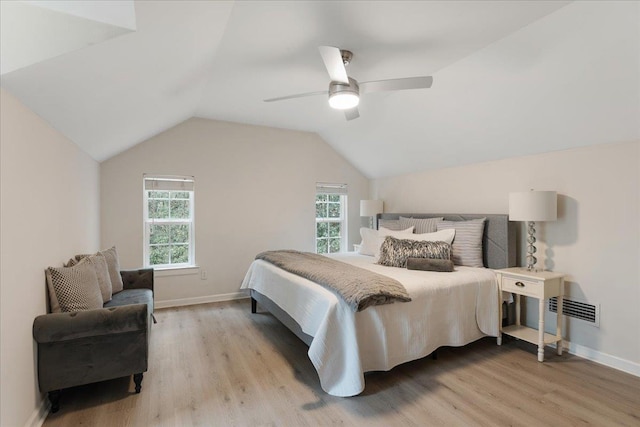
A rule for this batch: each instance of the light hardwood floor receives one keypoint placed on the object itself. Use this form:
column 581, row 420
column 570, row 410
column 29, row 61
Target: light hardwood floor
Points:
column 219, row 365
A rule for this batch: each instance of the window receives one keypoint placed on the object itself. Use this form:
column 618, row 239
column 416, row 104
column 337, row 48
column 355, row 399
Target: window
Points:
column 168, row 222
column 331, row 214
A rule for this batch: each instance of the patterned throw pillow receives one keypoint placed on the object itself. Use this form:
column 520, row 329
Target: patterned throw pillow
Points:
column 422, row 225
column 113, row 265
column 99, row 263
column 74, row 288
column 466, row 248
column 395, row 252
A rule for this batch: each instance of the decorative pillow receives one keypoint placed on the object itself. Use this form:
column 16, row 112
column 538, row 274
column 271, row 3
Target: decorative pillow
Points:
column 422, row 225
column 73, row 288
column 99, row 263
column 111, row 255
column 395, row 252
column 439, row 236
column 466, row 248
column 70, row 263
column 390, row 224
column 384, row 232
column 428, row 264
column 371, row 239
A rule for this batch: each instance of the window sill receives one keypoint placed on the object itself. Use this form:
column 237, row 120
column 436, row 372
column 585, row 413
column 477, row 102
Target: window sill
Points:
column 176, row 271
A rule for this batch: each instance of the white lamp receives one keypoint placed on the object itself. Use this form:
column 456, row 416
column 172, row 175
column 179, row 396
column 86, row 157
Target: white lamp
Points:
column 533, row 206
column 371, row 208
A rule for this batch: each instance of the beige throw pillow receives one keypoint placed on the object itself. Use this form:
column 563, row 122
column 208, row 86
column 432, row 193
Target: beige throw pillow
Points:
column 73, row 288
column 99, row 263
column 113, row 264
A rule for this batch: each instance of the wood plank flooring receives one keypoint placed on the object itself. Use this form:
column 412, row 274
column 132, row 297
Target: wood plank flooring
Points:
column 219, row 365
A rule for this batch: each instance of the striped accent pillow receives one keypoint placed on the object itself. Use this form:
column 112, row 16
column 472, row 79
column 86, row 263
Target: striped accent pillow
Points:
column 467, row 244
column 422, row 225
column 390, row 224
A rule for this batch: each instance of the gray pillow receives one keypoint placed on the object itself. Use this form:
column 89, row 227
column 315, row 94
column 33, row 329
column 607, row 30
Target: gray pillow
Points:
column 73, row 288
column 113, row 264
column 390, row 224
column 422, row 225
column 395, row 252
column 428, row 264
column 466, row 248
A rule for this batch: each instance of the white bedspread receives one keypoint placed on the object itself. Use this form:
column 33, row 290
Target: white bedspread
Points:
column 447, row 309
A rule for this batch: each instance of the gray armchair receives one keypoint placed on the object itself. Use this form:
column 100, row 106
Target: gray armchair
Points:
column 84, row 347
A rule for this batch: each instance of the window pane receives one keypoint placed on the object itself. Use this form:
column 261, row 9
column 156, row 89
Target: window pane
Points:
column 334, row 229
column 321, row 210
column 321, row 246
column 179, row 254
column 179, row 233
column 321, row 229
column 334, row 245
column 158, row 194
column 179, row 194
column 180, row 209
column 159, row 255
column 321, row 197
column 334, row 210
column 334, row 197
column 158, row 234
column 158, row 208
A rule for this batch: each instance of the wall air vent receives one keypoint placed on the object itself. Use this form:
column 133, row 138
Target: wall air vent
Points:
column 589, row 313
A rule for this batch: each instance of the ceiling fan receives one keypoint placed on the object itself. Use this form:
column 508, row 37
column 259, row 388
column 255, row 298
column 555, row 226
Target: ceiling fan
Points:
column 344, row 92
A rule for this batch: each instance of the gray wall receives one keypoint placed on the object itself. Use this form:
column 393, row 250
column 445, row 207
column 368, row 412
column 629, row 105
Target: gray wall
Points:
column 49, row 212
column 255, row 190
column 596, row 239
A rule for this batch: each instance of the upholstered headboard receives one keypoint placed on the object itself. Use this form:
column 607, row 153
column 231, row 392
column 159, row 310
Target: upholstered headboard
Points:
column 498, row 241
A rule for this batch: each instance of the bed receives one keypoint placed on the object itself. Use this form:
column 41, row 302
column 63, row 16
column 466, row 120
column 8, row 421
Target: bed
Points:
column 447, row 309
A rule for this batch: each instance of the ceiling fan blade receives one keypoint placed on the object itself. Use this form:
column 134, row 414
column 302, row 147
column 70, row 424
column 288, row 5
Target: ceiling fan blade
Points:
column 423, row 82
column 333, row 62
column 352, row 113
column 299, row 95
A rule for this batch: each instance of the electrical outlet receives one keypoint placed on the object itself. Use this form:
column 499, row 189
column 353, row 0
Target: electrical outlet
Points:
column 203, row 274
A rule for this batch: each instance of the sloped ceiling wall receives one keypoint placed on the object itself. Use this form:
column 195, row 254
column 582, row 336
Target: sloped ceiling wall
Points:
column 510, row 78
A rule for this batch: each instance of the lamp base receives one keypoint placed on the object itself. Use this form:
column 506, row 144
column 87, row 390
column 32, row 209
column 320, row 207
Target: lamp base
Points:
column 531, row 248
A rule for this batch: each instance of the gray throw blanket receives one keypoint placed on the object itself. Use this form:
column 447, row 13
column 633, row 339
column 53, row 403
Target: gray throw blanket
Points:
column 359, row 288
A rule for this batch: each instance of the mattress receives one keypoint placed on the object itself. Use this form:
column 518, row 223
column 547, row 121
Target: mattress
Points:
column 447, row 309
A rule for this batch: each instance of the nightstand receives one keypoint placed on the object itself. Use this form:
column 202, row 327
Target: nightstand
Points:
column 541, row 285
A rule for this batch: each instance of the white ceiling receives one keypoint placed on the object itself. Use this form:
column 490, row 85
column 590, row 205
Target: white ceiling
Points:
column 510, row 78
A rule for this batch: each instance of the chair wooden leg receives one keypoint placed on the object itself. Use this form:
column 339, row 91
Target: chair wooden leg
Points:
column 137, row 379
column 54, row 398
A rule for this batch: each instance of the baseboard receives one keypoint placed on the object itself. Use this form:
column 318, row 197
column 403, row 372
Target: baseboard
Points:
column 615, row 362
column 200, row 300
column 39, row 414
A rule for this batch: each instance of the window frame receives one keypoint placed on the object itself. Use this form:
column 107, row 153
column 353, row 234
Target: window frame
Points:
column 148, row 222
column 342, row 220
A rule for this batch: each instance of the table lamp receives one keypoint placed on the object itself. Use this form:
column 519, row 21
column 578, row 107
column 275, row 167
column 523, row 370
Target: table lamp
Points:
column 532, row 206
column 371, row 208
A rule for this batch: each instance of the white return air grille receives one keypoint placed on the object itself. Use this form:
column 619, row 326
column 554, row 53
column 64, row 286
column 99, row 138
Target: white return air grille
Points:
column 589, row 313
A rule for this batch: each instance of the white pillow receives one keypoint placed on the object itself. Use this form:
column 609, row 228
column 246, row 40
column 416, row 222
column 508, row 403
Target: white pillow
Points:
column 371, row 239
column 438, row 236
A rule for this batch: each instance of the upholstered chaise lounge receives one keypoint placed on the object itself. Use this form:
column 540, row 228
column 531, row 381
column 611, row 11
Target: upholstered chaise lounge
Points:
column 83, row 347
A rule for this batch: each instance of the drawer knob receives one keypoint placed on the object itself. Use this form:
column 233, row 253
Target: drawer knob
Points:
column 520, row 284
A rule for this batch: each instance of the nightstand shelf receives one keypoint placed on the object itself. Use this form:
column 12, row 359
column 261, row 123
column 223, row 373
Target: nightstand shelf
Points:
column 541, row 285
column 528, row 334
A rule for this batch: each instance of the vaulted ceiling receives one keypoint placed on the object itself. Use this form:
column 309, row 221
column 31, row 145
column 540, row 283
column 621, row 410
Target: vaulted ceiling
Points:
column 510, row 77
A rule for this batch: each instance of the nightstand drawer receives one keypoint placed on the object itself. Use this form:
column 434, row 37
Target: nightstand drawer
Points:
column 523, row 287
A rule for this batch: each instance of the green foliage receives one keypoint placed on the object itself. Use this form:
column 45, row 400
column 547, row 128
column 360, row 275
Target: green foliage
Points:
column 169, row 243
column 321, row 246
column 322, row 229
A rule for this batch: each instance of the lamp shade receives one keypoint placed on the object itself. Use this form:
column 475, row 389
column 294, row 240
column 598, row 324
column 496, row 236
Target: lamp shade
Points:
column 370, row 207
column 533, row 206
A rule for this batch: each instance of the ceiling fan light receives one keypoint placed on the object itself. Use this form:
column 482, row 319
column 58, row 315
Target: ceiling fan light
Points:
column 344, row 100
